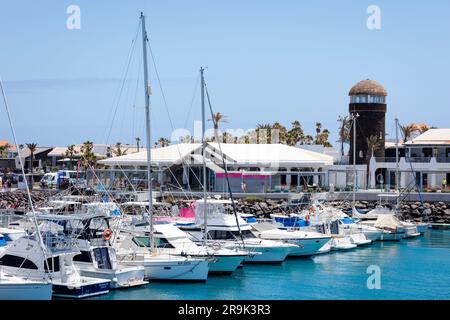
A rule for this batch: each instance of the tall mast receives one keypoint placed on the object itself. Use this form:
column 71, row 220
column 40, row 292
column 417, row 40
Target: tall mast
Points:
column 205, row 211
column 397, row 170
column 354, row 116
column 147, row 91
column 30, row 200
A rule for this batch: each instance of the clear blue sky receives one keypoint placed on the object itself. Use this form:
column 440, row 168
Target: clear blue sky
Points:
column 267, row 61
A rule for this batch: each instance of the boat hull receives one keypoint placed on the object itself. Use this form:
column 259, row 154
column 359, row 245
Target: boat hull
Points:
column 26, row 291
column 167, row 270
column 326, row 248
column 409, row 231
column 264, row 254
column 123, row 277
column 392, row 236
column 225, row 263
column 342, row 243
column 80, row 291
column 307, row 247
column 359, row 239
column 421, row 228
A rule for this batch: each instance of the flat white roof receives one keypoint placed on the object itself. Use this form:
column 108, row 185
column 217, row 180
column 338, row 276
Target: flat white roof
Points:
column 239, row 154
column 431, row 137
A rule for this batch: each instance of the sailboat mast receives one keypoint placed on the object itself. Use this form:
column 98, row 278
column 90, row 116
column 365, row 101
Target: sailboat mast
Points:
column 30, row 200
column 147, row 128
column 397, row 185
column 354, row 116
column 205, row 211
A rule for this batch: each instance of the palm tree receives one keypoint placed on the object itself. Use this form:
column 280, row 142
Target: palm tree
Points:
column 309, row 139
column 162, row 142
column 118, row 151
column 70, row 153
column 296, row 134
column 4, row 150
column 281, row 131
column 32, row 147
column 216, row 119
column 138, row 140
column 88, row 157
column 407, row 131
column 226, row 137
column 423, row 128
column 344, row 131
column 318, row 128
column 264, row 132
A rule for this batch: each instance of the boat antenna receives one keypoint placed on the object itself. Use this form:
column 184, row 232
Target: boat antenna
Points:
column 30, row 200
column 147, row 91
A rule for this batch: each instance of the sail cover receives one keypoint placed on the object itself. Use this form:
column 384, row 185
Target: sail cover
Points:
column 387, row 221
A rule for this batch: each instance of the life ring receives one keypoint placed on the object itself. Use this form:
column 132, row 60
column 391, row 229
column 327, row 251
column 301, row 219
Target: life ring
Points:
column 216, row 246
column 311, row 210
column 107, row 234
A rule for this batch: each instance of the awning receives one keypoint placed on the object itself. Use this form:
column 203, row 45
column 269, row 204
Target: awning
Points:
column 211, row 165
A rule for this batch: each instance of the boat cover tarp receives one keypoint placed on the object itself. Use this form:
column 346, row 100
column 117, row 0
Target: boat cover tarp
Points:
column 387, row 221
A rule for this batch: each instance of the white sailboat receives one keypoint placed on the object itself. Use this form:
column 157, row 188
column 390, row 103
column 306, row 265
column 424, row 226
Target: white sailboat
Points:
column 158, row 266
column 13, row 286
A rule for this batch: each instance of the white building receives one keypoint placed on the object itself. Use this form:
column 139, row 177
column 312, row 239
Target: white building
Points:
column 424, row 162
column 263, row 167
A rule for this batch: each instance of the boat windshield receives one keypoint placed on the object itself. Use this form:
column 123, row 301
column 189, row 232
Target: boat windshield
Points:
column 144, row 242
column 229, row 235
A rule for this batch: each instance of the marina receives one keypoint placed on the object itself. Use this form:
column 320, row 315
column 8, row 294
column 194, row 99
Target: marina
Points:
column 274, row 212
column 340, row 275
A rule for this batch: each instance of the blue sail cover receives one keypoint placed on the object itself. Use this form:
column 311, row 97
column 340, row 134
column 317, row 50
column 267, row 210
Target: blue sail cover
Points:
column 347, row 220
column 292, row 221
column 2, row 241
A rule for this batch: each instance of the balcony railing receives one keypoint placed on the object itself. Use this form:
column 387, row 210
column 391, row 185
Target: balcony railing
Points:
column 418, row 159
column 386, row 159
column 443, row 159
column 412, row 159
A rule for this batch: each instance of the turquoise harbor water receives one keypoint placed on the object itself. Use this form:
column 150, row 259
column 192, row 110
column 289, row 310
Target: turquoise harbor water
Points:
column 411, row 269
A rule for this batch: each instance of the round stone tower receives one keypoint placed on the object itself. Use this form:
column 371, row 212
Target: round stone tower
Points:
column 368, row 101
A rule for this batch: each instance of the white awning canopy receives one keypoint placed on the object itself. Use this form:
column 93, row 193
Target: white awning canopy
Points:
column 245, row 155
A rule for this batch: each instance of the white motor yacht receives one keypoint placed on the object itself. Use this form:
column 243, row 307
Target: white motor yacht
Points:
column 100, row 261
column 226, row 260
column 24, row 258
column 309, row 243
column 172, row 241
column 157, row 265
column 97, row 257
column 227, row 230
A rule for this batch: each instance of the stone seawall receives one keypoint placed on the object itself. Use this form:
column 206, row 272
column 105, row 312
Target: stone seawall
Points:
column 436, row 212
